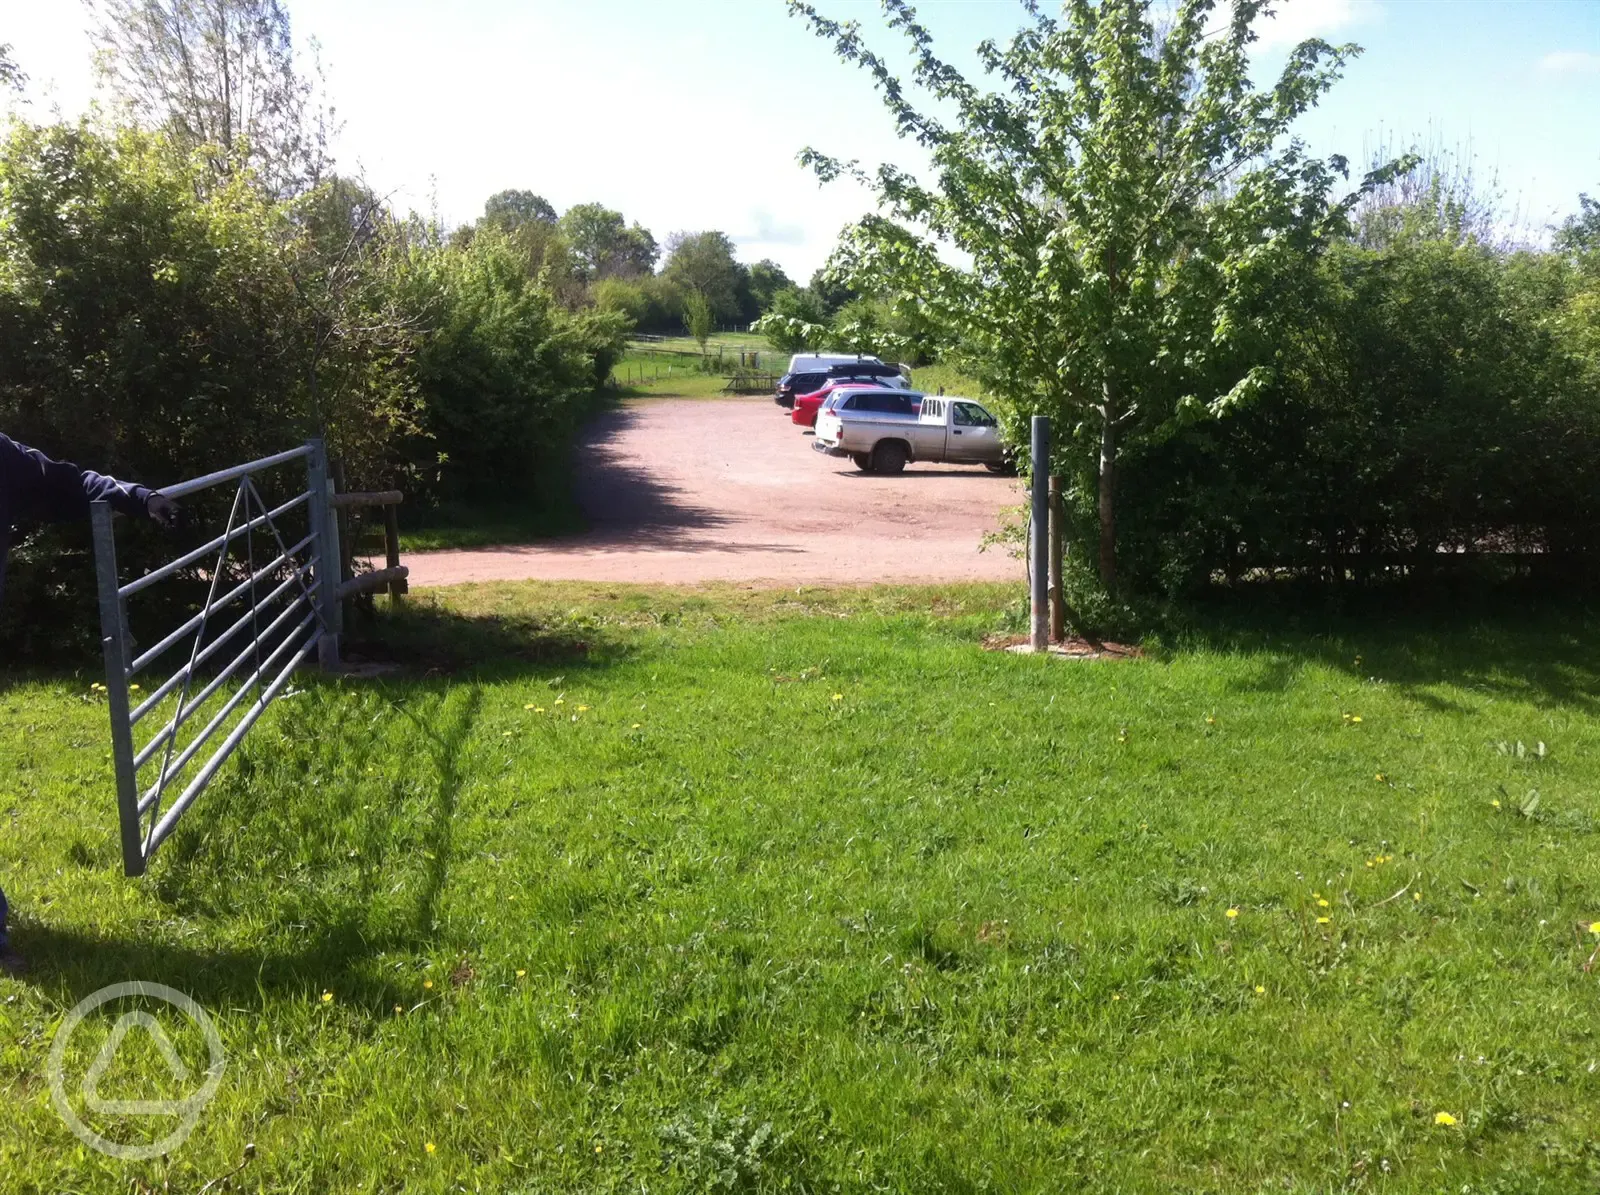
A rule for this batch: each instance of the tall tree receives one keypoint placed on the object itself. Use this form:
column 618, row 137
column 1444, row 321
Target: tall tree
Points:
column 1125, row 199
column 605, row 245
column 218, row 76
column 766, row 280
column 509, row 210
column 704, row 262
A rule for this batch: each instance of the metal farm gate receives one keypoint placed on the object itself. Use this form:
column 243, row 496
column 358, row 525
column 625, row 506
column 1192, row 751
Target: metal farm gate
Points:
column 276, row 571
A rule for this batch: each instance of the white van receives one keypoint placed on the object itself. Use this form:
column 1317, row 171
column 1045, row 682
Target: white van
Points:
column 821, row 362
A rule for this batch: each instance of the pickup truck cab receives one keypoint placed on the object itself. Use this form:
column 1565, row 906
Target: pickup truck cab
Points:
column 881, row 431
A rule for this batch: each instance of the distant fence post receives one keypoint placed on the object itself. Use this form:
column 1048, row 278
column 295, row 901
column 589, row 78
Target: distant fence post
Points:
column 1039, row 547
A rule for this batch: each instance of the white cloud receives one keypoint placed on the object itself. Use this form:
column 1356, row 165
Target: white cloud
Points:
column 1295, row 20
column 1570, row 62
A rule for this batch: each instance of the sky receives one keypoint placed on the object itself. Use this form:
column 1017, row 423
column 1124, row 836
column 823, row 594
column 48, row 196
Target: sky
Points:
column 688, row 114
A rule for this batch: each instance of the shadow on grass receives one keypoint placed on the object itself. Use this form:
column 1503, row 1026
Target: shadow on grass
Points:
column 1528, row 647
column 308, row 849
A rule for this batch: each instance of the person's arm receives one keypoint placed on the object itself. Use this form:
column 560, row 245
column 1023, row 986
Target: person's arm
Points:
column 59, row 492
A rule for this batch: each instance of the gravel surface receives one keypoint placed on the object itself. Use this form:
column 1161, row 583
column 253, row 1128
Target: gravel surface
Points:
column 685, row 491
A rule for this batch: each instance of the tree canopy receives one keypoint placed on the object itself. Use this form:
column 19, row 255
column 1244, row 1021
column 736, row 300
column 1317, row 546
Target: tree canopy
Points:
column 704, row 262
column 220, row 77
column 605, row 245
column 509, row 210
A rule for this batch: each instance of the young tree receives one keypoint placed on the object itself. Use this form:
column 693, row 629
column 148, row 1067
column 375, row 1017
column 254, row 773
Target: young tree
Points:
column 698, row 318
column 218, row 75
column 1125, row 202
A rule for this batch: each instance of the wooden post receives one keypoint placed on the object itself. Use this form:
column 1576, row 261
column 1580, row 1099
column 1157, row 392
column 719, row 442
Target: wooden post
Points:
column 1058, row 608
column 347, row 547
column 1039, row 527
column 391, row 541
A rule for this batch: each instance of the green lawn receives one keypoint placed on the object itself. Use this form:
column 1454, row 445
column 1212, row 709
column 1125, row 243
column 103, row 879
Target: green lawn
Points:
column 620, row 889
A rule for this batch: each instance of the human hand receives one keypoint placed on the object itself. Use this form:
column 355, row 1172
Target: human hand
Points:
column 164, row 510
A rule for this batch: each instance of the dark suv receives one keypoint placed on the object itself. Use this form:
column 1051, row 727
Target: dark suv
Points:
column 791, row 384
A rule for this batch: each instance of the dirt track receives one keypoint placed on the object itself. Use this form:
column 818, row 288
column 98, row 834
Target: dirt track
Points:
column 684, row 491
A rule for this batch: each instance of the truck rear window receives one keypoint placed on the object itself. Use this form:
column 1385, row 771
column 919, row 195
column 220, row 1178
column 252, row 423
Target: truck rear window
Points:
column 882, row 402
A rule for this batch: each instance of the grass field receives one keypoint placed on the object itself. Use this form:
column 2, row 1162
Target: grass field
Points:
column 672, row 367
column 618, row 889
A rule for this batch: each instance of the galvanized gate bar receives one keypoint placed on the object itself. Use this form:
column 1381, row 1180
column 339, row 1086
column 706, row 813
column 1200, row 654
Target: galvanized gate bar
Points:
column 297, row 615
column 114, row 640
column 221, row 603
column 178, row 719
column 204, row 550
column 184, row 488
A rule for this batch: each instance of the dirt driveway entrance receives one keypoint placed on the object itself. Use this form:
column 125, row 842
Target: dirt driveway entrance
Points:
column 685, row 490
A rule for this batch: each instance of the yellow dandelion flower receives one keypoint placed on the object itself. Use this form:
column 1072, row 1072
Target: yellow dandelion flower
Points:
column 133, row 688
column 431, row 1147
column 1594, row 928
column 398, row 1010
column 1322, row 903
column 838, row 696
column 583, row 709
column 1380, row 777
column 1443, row 1118
column 538, row 709
column 561, row 701
column 327, row 997
column 636, row 725
column 530, row 706
column 428, row 984
column 1260, row 991
column 1495, row 804
column 1324, row 920
column 1416, row 896
column 599, row 1149
column 1231, row 914
column 520, row 972
column 1116, row 996
column 1211, row 721
column 505, row 734
column 1355, row 718
column 1370, row 863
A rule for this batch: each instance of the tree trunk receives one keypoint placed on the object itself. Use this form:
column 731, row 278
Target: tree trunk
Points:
column 1107, row 489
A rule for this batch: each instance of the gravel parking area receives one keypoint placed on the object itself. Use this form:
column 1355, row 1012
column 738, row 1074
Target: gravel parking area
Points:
column 684, row 491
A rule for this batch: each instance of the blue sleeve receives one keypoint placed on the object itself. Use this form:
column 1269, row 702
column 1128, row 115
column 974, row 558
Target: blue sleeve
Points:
column 34, row 487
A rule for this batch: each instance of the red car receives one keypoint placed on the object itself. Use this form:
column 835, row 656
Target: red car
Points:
column 806, row 406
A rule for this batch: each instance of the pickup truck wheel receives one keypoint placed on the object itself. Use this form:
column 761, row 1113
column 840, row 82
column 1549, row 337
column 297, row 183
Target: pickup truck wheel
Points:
column 889, row 457
column 861, row 461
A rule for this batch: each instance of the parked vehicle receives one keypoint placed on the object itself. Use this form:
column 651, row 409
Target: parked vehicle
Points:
column 822, row 362
column 811, row 380
column 806, row 406
column 878, row 432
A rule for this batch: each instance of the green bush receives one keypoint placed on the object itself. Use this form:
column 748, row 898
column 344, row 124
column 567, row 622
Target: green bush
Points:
column 1432, row 400
column 504, row 376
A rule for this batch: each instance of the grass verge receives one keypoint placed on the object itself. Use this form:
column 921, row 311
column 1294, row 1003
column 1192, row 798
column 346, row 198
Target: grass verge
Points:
column 618, row 887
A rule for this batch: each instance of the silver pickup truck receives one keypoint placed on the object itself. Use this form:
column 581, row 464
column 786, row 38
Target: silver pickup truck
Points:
column 881, row 431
